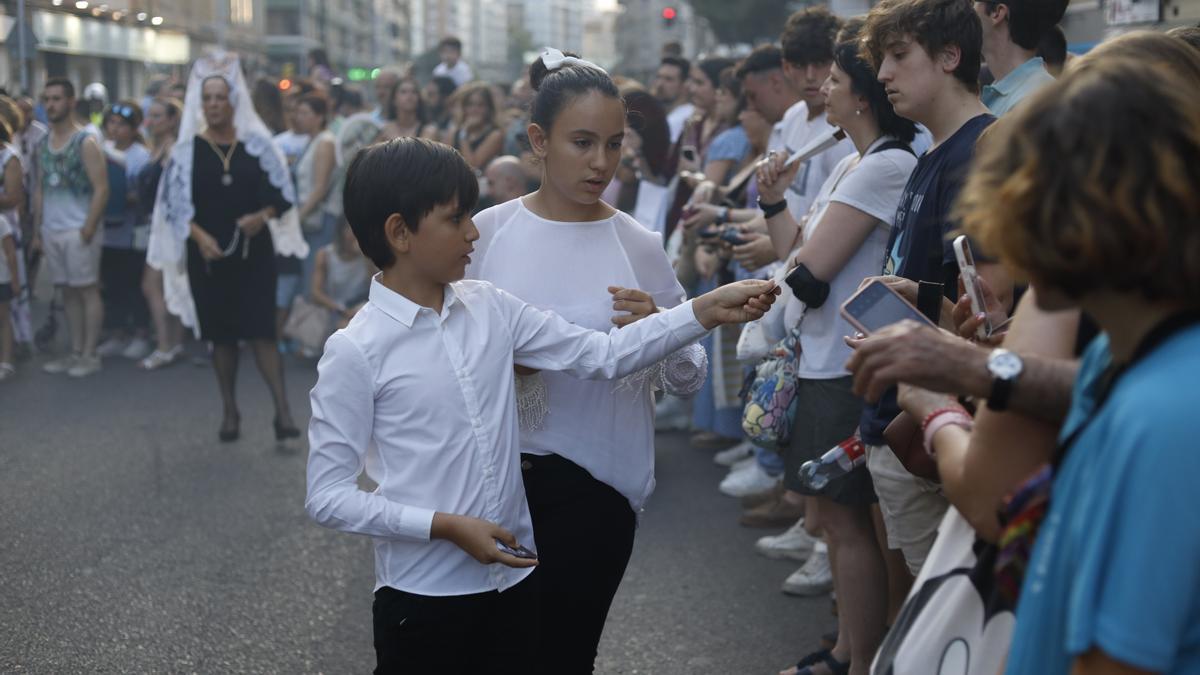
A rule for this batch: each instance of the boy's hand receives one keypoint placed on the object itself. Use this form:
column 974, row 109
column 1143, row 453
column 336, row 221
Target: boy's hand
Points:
column 638, row 303
column 478, row 538
column 738, row 302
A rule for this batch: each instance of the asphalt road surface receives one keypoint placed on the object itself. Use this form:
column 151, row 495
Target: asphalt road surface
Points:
column 132, row 541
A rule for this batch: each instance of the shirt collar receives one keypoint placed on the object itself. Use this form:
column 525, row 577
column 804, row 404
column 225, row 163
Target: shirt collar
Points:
column 1011, row 81
column 401, row 308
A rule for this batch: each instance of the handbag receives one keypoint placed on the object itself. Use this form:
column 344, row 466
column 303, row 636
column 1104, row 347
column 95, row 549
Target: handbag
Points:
column 770, row 407
column 308, row 324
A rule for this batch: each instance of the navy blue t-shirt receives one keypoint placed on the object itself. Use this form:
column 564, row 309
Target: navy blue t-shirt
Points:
column 919, row 248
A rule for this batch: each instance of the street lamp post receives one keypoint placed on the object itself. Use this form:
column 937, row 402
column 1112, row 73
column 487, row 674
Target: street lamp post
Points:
column 22, row 57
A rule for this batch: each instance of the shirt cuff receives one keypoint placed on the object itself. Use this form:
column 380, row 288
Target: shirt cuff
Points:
column 683, row 322
column 415, row 522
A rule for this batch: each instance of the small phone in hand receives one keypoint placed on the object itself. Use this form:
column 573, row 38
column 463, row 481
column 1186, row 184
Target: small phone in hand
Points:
column 733, row 236
column 877, row 306
column 519, row 552
column 970, row 279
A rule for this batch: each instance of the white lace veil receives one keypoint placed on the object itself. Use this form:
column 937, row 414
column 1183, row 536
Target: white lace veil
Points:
column 173, row 207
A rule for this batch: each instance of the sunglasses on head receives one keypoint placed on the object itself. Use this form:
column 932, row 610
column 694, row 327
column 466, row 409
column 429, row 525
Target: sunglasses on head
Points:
column 124, row 111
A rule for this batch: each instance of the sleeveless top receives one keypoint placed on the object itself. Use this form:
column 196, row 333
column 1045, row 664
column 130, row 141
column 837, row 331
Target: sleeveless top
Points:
column 66, row 190
column 8, row 152
column 306, row 176
column 346, row 281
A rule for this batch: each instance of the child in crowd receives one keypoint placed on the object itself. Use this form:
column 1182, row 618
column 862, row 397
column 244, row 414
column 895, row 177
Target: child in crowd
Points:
column 425, row 372
column 341, row 277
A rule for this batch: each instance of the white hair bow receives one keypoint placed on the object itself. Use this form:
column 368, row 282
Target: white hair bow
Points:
column 553, row 59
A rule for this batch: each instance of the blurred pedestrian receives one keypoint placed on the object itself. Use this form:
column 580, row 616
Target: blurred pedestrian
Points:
column 12, row 196
column 162, row 128
column 478, row 138
column 72, row 190
column 452, row 65
column 123, row 256
column 405, row 113
column 225, row 202
column 436, row 94
column 318, row 66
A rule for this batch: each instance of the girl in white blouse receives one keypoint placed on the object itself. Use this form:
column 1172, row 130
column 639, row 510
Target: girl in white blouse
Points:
column 588, row 463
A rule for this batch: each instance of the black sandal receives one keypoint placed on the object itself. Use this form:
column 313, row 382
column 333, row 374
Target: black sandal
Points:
column 836, row 667
column 814, row 658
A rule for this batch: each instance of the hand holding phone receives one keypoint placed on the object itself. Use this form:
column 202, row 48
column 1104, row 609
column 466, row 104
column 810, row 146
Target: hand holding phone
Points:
column 970, row 281
column 519, row 552
column 876, row 306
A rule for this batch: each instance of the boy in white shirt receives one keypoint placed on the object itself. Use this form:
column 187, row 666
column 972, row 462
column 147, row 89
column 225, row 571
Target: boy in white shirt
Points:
column 425, row 372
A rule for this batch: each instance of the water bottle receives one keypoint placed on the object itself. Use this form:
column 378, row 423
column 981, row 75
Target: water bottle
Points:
column 842, row 459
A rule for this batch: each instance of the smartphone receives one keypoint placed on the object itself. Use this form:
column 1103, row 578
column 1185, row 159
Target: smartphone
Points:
column 519, row 551
column 877, row 306
column 733, row 236
column 710, row 231
column 970, row 279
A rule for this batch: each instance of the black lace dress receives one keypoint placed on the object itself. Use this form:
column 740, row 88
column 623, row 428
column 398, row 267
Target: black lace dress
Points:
column 234, row 296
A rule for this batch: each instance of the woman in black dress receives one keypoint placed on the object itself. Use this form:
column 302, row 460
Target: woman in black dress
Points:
column 231, row 258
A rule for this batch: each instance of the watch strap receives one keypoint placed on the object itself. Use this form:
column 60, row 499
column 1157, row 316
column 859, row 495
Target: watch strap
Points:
column 1001, row 389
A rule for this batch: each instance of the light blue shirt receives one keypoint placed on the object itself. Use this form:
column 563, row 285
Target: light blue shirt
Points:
column 1003, row 95
column 1116, row 565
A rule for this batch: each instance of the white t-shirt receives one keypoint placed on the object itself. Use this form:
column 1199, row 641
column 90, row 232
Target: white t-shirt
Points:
column 460, row 72
column 795, row 131
column 872, row 185
column 604, row 427
column 677, row 118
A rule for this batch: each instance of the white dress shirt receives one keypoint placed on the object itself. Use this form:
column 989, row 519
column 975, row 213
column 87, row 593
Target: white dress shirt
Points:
column 606, row 427
column 435, row 394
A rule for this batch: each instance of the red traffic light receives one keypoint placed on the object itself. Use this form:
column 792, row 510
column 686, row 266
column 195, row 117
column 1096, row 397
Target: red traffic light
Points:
column 668, row 13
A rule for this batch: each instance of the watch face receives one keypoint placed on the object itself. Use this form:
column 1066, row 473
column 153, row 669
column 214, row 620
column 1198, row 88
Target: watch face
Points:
column 1005, row 365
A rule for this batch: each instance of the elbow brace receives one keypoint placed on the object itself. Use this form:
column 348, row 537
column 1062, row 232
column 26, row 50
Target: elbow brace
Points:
column 807, row 288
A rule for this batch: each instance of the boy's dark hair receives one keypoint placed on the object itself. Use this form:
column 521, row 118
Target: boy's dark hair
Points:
column 452, row 42
column 932, row 24
column 1053, row 47
column 763, row 59
column 864, row 83
column 712, row 69
column 408, row 176
column 1030, row 20
column 68, row 88
column 555, row 89
column 808, row 36
column 684, row 66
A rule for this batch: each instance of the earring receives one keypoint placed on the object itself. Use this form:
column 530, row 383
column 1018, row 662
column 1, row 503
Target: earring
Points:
column 858, row 112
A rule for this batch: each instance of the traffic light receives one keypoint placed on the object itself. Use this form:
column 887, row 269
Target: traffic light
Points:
column 668, row 15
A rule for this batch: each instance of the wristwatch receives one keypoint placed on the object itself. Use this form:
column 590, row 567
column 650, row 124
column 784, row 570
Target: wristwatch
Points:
column 770, row 210
column 1005, row 367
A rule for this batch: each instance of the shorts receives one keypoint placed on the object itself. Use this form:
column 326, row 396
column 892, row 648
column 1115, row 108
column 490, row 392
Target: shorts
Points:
column 912, row 507
column 287, row 287
column 70, row 261
column 827, row 413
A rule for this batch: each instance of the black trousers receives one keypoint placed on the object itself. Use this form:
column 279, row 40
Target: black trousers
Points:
column 456, row 634
column 584, row 530
column 121, row 288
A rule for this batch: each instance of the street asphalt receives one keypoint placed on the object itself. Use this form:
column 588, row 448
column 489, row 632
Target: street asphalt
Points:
column 132, row 541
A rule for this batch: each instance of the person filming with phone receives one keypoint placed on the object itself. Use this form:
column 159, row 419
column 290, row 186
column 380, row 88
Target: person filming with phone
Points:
column 838, row 244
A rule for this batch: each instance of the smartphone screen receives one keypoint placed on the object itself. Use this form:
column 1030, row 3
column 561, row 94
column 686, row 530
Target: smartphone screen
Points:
column 876, row 306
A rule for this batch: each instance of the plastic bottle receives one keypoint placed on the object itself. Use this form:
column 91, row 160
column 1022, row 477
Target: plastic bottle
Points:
column 842, row 459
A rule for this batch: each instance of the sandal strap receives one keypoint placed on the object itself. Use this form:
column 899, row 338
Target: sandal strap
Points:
column 836, row 667
column 814, row 658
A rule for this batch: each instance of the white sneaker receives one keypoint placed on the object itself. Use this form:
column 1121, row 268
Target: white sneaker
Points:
column 113, row 346
column 743, row 464
column 795, row 544
column 137, row 349
column 84, row 366
column 672, row 414
column 748, row 482
column 815, row 578
column 731, row 456
column 61, row 365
